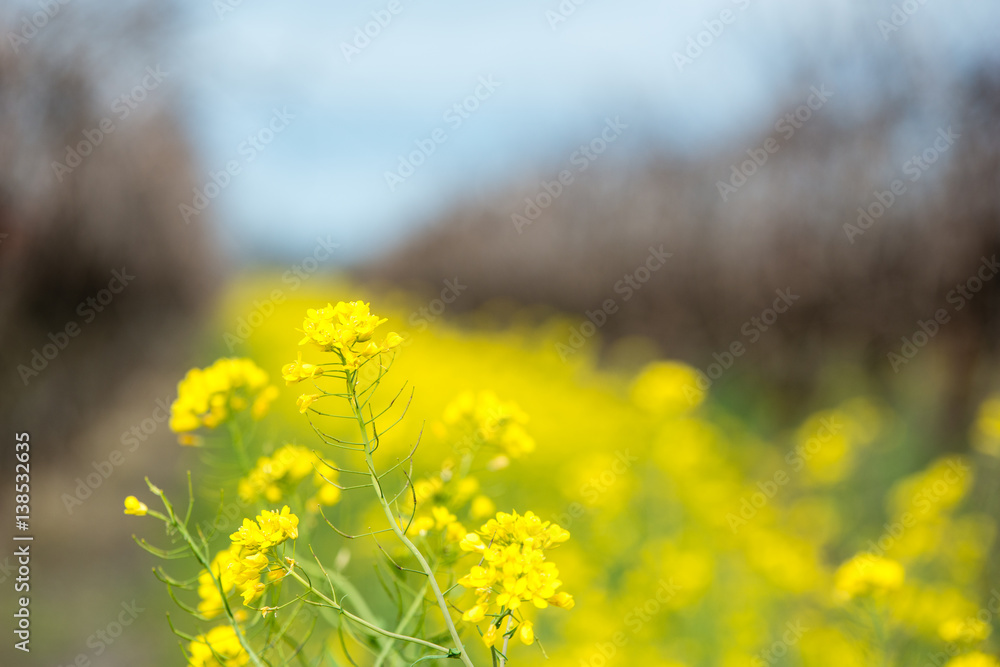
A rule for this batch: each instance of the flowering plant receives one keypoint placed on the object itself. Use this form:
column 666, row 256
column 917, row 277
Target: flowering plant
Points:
column 263, row 566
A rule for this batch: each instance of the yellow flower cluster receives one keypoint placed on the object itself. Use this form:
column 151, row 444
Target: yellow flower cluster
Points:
column 974, row 659
column 867, row 574
column 219, row 648
column 514, row 571
column 472, row 420
column 440, row 518
column 242, row 566
column 269, row 530
column 135, row 506
column 274, row 476
column 829, row 443
column 440, row 496
column 232, row 575
column 346, row 329
column 210, row 396
column 964, row 631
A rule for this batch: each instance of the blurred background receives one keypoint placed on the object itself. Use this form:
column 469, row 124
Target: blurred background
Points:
column 801, row 201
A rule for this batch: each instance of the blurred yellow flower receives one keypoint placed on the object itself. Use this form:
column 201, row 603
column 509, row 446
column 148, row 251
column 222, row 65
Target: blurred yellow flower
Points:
column 473, row 420
column 964, row 631
column 667, row 387
column 208, row 397
column 221, row 643
column 482, row 507
column 867, row 574
column 974, row 659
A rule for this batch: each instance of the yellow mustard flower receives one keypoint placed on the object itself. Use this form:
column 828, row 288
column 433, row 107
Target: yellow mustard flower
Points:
column 208, row 397
column 269, row 530
column 526, row 631
column 135, row 506
column 297, row 371
column 513, row 568
column 273, row 476
column 219, row 648
column 305, row 400
column 346, row 329
column 490, row 636
column 229, row 571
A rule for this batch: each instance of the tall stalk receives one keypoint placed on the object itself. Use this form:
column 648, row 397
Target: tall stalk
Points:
column 394, row 522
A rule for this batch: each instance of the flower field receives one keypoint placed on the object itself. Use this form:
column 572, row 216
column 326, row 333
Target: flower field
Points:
column 577, row 511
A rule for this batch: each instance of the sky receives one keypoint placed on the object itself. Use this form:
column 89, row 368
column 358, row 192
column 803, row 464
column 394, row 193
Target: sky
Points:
column 315, row 117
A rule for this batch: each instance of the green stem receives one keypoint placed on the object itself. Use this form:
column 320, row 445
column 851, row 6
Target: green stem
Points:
column 339, row 581
column 506, row 639
column 204, row 561
column 400, row 535
column 241, row 452
column 403, row 622
column 363, row 622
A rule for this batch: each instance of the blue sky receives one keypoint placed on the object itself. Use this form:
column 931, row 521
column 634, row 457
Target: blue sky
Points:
column 558, row 81
column 325, row 172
